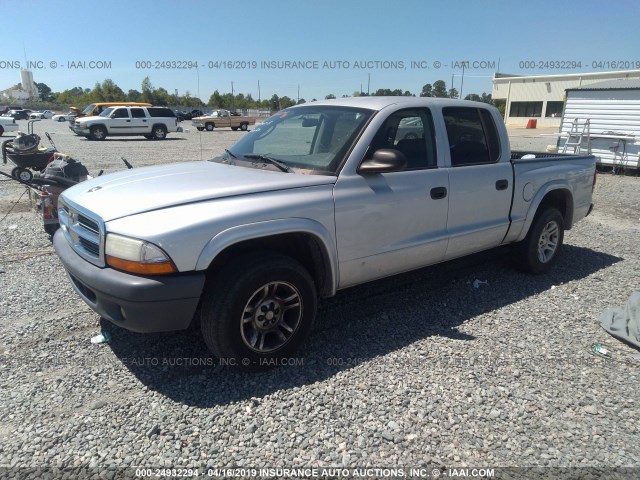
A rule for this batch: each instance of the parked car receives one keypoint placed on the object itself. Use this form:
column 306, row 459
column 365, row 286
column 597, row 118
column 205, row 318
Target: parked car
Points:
column 63, row 117
column 20, row 114
column 97, row 108
column 317, row 198
column 7, row 124
column 150, row 122
column 43, row 114
column 184, row 115
column 222, row 119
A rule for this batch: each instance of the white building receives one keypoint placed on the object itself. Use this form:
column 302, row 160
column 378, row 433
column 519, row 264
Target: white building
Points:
column 27, row 90
column 542, row 97
column 612, row 109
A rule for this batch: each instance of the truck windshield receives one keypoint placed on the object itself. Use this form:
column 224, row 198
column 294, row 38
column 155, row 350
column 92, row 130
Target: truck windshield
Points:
column 89, row 109
column 311, row 139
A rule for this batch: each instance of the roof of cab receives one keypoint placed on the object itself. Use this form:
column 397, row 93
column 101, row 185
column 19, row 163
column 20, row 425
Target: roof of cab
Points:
column 378, row 103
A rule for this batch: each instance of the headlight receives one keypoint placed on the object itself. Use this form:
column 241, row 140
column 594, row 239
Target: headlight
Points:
column 137, row 256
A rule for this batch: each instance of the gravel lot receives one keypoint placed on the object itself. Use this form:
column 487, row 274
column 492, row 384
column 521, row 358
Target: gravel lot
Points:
column 421, row 370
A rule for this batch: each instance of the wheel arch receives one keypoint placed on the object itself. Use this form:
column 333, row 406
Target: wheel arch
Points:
column 306, row 241
column 555, row 195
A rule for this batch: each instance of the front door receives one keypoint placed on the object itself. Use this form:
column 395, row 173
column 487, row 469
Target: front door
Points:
column 388, row 223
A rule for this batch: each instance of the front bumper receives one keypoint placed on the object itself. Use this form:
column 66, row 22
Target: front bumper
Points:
column 139, row 304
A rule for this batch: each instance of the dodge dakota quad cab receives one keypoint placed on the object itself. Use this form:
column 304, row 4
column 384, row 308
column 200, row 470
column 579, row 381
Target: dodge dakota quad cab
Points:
column 317, row 198
column 221, row 119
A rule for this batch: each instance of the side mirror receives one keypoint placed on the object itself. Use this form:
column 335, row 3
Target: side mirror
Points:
column 384, row 160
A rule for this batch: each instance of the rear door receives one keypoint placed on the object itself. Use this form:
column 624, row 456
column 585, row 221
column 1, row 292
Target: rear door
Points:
column 140, row 123
column 480, row 182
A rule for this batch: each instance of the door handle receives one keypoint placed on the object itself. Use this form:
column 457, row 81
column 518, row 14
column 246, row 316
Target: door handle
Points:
column 128, row 120
column 502, row 184
column 438, row 192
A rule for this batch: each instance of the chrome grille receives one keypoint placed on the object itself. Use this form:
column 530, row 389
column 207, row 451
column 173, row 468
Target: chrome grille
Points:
column 83, row 230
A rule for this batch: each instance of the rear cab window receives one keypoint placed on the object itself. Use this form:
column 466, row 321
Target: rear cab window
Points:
column 473, row 136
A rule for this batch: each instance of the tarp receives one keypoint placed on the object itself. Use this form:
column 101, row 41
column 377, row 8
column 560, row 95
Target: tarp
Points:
column 624, row 322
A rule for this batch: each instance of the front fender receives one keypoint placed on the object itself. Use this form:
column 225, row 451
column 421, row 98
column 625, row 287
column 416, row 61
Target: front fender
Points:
column 240, row 233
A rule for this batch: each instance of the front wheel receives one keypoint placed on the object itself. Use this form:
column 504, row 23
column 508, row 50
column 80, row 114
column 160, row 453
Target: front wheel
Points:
column 98, row 133
column 244, row 126
column 62, row 119
column 209, row 127
column 258, row 310
column 538, row 252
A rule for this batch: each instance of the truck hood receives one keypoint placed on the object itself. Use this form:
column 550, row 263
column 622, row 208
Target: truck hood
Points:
column 151, row 188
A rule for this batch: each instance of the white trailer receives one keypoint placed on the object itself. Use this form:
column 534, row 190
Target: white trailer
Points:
column 612, row 111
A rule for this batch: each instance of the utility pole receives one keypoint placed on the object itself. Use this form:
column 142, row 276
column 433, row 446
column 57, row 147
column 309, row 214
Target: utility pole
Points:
column 258, row 93
column 298, row 95
column 233, row 99
column 462, row 82
column 369, row 83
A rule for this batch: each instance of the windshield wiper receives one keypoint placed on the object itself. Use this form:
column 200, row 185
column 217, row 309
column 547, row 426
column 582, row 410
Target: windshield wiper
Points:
column 278, row 163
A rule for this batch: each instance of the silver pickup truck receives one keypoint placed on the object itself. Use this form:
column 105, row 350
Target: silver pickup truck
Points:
column 317, row 198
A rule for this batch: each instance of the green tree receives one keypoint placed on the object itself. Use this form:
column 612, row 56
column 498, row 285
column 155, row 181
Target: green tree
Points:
column 133, row 95
column 147, row 90
column 331, row 96
column 110, row 92
column 44, row 92
column 440, row 89
column 427, row 90
column 215, row 100
column 274, row 103
column 453, row 93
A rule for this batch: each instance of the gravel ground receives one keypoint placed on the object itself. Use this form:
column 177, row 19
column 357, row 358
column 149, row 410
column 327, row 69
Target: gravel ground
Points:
column 421, row 370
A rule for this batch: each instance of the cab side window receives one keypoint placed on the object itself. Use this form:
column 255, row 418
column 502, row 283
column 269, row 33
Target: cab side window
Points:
column 137, row 113
column 473, row 137
column 411, row 132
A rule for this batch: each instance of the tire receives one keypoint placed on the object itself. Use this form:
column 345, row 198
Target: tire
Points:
column 200, row 128
column 209, row 127
column 22, row 174
column 258, row 283
column 62, row 119
column 235, row 129
column 159, row 132
column 244, row 127
column 98, row 133
column 538, row 252
column 1, row 131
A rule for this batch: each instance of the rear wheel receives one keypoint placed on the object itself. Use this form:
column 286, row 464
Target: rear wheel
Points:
column 538, row 252
column 258, row 310
column 209, row 127
column 244, row 126
column 98, row 133
column 62, row 119
column 159, row 132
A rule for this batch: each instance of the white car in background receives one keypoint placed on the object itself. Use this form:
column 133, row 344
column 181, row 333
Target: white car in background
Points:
column 7, row 124
column 43, row 114
column 63, row 117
